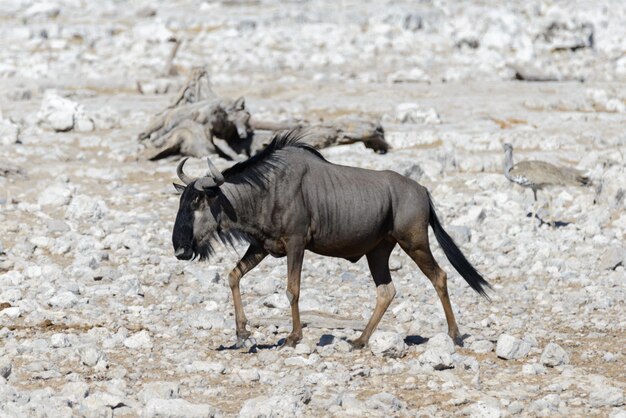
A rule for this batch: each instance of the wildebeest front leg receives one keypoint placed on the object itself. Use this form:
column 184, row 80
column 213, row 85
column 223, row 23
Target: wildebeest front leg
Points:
column 378, row 261
column 253, row 256
column 294, row 271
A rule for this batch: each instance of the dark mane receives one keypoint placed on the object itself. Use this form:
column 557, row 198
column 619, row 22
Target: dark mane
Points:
column 251, row 170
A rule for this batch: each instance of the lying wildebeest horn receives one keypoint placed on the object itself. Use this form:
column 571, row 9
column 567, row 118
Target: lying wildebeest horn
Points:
column 213, row 178
column 181, row 175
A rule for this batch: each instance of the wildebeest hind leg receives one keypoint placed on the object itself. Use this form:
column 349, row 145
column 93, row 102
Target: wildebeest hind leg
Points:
column 378, row 261
column 253, row 256
column 424, row 259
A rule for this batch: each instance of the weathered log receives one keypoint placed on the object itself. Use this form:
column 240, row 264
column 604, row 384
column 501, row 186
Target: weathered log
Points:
column 196, row 89
column 343, row 131
column 196, row 116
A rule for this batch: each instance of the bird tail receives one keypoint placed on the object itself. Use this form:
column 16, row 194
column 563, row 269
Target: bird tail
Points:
column 577, row 177
column 455, row 256
column 584, row 180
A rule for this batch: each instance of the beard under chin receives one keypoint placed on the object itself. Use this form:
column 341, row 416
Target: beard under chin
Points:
column 202, row 250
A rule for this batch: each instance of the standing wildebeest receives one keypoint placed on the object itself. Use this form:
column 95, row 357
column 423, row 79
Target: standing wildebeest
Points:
column 289, row 199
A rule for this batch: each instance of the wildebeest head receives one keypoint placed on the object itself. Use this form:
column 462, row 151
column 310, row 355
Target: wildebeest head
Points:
column 195, row 221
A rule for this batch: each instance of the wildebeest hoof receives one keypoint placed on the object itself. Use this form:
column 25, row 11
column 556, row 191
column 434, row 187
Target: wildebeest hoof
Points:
column 289, row 342
column 246, row 343
column 358, row 344
column 458, row 341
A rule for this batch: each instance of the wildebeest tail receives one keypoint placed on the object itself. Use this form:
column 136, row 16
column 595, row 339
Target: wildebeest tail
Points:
column 455, row 256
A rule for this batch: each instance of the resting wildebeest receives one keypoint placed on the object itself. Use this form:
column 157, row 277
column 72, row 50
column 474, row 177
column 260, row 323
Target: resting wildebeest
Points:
column 288, row 199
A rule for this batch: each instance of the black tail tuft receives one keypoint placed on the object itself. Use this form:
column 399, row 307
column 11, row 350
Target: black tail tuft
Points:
column 455, row 256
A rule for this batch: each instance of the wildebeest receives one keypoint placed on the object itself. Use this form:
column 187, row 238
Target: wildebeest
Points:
column 289, row 198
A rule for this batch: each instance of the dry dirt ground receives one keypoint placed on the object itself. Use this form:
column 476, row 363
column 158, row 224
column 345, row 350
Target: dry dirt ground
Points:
column 97, row 317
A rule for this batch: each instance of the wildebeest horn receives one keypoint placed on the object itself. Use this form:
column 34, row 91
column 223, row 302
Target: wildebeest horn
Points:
column 181, row 175
column 213, row 178
column 205, row 183
column 219, row 178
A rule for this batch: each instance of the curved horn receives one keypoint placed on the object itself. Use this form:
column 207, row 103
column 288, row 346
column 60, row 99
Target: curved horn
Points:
column 181, row 175
column 217, row 175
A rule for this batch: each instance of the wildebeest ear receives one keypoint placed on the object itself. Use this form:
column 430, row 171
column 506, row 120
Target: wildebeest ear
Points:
column 179, row 188
column 240, row 104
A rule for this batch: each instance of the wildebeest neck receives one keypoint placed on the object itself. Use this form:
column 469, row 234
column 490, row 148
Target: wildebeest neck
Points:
column 239, row 207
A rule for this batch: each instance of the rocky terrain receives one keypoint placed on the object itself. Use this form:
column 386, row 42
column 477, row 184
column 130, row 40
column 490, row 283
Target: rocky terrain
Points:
column 97, row 317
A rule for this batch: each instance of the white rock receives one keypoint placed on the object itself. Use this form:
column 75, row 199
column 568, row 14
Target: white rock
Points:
column 57, row 112
column 301, row 361
column 106, row 118
column 139, row 340
column 55, row 195
column 82, row 122
column 206, row 366
column 413, row 113
column 203, row 319
column 533, row 369
column 249, row 375
column 441, row 342
column 354, row 407
column 101, row 403
column 606, row 396
column 509, row 347
column 160, row 390
column 515, row 407
column 553, row 355
column 612, row 257
column 385, row 402
column 59, row 340
column 5, row 367
column 276, row 300
column 483, row 410
column 474, row 215
column 48, row 9
column 387, row 344
column 438, row 360
column 547, row 405
column 91, row 356
column 83, row 207
column 176, row 408
column 303, row 348
column 414, row 75
column 9, row 132
column 75, row 391
column 275, row 406
column 63, row 299
column 12, row 312
column 609, row 357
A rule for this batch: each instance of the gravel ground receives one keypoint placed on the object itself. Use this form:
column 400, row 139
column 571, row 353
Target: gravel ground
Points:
column 97, row 317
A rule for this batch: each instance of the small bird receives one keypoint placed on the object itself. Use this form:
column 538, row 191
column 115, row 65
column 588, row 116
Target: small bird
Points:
column 537, row 175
